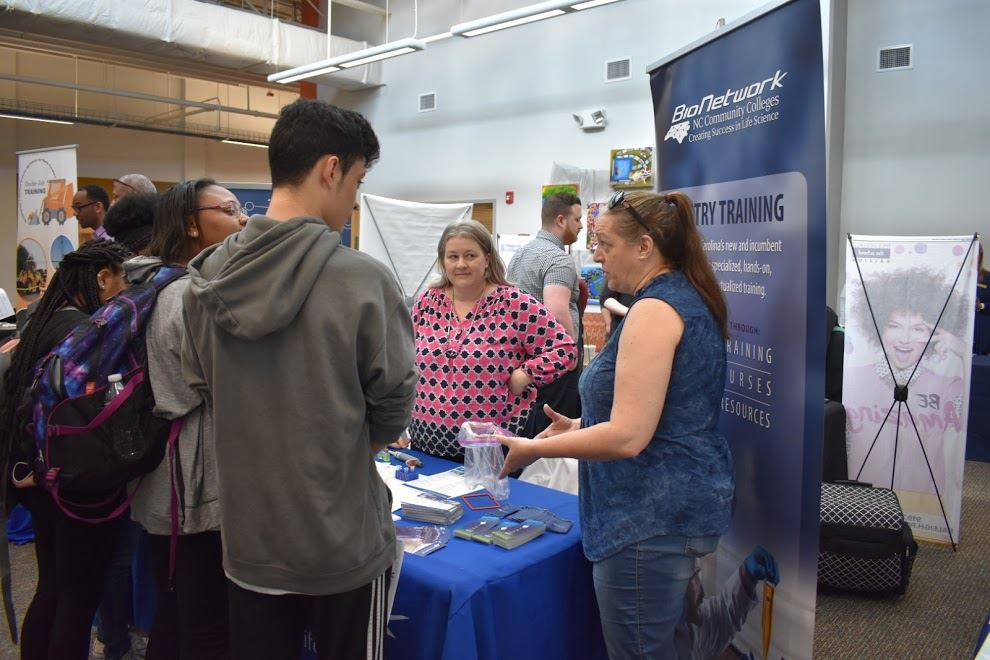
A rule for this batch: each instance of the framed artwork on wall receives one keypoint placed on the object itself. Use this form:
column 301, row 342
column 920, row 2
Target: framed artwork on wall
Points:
column 631, row 168
column 553, row 188
column 595, row 209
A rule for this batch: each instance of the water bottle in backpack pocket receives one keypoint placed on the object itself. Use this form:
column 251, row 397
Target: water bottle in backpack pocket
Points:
column 124, row 436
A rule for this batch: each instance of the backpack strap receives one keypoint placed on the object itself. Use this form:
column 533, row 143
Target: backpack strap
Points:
column 172, row 273
column 51, row 479
column 105, row 413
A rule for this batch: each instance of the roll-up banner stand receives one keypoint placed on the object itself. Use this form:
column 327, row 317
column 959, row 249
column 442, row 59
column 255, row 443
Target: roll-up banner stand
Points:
column 909, row 324
column 47, row 228
column 740, row 128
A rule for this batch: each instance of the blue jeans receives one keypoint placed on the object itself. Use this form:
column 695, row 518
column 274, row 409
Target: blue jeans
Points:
column 114, row 616
column 640, row 592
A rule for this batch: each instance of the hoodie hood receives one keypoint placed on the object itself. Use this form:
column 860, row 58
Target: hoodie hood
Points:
column 256, row 281
column 139, row 269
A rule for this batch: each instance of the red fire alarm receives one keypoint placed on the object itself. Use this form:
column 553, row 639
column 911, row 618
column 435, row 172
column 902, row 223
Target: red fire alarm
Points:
column 510, row 197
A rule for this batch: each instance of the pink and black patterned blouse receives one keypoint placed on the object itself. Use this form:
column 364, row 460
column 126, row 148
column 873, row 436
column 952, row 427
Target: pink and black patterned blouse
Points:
column 464, row 366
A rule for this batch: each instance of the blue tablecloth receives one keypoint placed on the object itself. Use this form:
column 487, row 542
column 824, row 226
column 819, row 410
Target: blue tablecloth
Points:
column 471, row 600
column 978, row 428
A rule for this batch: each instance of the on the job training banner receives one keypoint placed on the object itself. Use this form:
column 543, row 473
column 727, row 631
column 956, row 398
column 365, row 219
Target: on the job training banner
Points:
column 740, row 129
column 46, row 225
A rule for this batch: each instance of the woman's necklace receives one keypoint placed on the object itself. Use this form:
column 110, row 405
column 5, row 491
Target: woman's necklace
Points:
column 457, row 324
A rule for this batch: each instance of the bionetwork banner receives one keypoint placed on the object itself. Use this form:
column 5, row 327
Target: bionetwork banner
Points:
column 740, row 129
column 46, row 224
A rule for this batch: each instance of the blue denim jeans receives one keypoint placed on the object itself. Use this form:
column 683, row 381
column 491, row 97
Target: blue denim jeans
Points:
column 114, row 615
column 640, row 592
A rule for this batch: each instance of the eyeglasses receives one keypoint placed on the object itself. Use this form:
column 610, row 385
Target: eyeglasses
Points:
column 233, row 209
column 79, row 207
column 619, row 199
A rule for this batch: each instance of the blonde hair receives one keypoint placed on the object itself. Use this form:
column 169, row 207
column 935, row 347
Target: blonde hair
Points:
column 494, row 274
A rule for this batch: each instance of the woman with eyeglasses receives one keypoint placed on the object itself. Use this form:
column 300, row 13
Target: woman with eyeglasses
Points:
column 191, row 617
column 656, row 477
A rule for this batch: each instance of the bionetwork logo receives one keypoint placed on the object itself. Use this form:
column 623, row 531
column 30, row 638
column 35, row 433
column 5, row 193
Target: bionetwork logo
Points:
column 681, row 120
column 678, row 131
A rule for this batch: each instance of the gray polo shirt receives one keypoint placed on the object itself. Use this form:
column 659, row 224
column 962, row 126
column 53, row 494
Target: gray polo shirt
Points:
column 543, row 262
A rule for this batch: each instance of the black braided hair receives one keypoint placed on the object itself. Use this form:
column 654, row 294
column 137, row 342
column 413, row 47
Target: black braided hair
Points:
column 74, row 283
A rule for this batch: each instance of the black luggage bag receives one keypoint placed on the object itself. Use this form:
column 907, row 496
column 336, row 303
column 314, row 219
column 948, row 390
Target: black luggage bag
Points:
column 865, row 543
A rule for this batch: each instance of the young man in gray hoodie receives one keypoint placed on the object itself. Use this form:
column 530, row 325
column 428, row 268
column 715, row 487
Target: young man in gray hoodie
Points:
column 306, row 349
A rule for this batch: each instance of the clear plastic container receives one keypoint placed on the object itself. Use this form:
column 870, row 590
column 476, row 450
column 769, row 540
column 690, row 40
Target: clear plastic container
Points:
column 484, row 458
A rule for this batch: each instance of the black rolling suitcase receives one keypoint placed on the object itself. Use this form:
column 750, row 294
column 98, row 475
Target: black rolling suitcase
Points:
column 865, row 544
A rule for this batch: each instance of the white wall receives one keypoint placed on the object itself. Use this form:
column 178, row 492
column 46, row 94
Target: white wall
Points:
column 109, row 153
column 505, row 99
column 917, row 141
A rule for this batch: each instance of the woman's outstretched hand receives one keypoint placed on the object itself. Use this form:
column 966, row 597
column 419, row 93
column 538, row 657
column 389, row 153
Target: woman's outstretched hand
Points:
column 558, row 423
column 520, row 454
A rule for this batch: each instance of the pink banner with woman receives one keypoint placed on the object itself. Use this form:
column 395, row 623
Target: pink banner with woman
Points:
column 909, row 309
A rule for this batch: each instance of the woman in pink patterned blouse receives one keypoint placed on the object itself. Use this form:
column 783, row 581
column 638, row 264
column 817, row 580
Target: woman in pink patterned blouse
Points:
column 481, row 345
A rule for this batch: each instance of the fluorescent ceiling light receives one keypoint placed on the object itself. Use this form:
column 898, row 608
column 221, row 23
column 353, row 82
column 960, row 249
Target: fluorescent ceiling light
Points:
column 245, row 144
column 380, row 56
column 437, row 37
column 592, row 3
column 507, row 24
column 523, row 15
column 48, row 121
column 308, row 74
column 366, row 56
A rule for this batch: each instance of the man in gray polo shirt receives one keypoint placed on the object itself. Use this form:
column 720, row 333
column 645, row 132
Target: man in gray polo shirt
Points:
column 544, row 270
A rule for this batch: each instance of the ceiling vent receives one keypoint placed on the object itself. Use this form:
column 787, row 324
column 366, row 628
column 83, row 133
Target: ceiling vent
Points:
column 428, row 102
column 895, row 57
column 616, row 70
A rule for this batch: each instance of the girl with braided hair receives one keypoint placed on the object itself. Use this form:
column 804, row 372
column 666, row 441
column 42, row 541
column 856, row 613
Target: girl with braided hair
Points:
column 72, row 556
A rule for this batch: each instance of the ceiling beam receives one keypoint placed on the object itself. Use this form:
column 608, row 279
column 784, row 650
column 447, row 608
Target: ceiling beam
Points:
column 136, row 95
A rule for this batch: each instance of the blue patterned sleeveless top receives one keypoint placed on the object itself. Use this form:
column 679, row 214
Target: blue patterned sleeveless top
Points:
column 682, row 484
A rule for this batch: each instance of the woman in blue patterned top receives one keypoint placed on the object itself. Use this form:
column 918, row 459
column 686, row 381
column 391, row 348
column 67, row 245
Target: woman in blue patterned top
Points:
column 656, row 476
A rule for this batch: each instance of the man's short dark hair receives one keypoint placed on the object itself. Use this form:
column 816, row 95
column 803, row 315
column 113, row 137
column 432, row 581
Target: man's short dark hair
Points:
column 97, row 194
column 307, row 130
column 558, row 204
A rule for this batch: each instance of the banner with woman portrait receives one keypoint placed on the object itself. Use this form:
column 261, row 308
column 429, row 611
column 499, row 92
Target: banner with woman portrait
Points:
column 909, row 308
column 46, row 224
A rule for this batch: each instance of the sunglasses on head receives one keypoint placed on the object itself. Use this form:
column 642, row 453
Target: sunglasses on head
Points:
column 619, row 199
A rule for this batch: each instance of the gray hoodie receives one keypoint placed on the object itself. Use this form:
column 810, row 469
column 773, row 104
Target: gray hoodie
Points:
column 306, row 349
column 193, row 470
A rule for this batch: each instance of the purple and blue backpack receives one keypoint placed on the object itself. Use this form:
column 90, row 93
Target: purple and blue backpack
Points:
column 88, row 449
